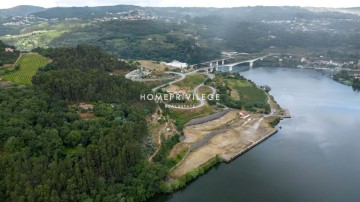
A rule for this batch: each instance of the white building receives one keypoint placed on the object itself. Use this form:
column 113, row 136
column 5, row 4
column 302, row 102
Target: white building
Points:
column 177, row 64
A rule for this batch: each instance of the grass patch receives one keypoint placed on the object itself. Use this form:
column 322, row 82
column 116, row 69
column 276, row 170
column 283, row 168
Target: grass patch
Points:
column 73, row 150
column 28, row 65
column 31, row 40
column 205, row 90
column 190, row 82
column 238, row 92
column 181, row 117
column 193, row 174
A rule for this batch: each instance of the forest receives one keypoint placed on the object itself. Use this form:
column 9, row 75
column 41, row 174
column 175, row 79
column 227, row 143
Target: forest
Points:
column 7, row 57
column 141, row 39
column 83, row 57
column 49, row 153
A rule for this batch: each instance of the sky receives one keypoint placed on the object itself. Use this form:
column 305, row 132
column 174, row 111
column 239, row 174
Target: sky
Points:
column 183, row 3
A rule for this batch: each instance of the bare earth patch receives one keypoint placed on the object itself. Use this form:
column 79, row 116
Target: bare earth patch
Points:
column 86, row 115
column 233, row 139
column 153, row 65
column 196, row 132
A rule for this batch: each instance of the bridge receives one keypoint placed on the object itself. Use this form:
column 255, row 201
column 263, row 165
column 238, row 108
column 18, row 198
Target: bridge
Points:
column 215, row 63
column 251, row 63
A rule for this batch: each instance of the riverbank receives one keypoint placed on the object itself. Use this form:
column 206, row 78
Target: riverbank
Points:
column 224, row 138
column 304, row 160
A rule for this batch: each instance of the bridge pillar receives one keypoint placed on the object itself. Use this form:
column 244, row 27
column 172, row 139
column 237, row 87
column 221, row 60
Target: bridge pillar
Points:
column 222, row 62
column 251, row 64
column 230, row 68
column 217, row 63
column 210, row 64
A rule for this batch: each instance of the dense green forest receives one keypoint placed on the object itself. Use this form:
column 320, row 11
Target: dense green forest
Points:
column 49, row 153
column 83, row 57
column 7, row 57
column 141, row 39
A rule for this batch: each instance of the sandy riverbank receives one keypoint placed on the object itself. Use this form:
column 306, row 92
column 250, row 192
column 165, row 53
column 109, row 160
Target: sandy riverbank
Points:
column 233, row 136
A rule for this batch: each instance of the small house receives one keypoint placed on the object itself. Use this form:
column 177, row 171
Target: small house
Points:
column 84, row 106
column 9, row 50
column 154, row 117
column 181, row 92
column 244, row 114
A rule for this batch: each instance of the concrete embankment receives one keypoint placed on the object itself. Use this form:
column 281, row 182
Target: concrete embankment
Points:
column 207, row 118
column 228, row 159
column 286, row 114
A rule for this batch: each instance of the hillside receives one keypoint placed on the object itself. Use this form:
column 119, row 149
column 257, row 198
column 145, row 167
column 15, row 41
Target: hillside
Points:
column 19, row 11
column 45, row 140
column 83, row 12
column 25, row 68
column 189, row 35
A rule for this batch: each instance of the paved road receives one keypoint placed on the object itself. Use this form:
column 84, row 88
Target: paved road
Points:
column 161, row 79
column 272, row 109
column 202, row 102
column 195, row 90
column 182, row 76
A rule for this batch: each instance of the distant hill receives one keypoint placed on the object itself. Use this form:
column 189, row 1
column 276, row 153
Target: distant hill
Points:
column 19, row 11
column 83, row 12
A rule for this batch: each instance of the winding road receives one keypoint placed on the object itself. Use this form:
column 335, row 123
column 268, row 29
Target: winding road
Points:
column 182, row 76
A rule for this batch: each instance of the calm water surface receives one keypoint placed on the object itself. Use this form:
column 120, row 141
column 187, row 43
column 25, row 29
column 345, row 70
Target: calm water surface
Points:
column 314, row 157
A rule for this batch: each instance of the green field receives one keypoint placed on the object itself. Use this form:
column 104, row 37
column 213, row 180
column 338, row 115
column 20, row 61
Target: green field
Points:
column 191, row 81
column 247, row 92
column 238, row 92
column 28, row 65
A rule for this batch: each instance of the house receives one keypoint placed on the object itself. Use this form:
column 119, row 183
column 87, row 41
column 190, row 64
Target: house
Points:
column 244, row 114
column 182, row 92
column 154, row 117
column 84, row 106
column 171, row 91
column 9, row 50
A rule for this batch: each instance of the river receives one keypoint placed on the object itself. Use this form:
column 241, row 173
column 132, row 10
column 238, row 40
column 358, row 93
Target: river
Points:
column 314, row 157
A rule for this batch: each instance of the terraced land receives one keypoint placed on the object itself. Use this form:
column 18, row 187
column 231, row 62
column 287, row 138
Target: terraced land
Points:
column 28, row 65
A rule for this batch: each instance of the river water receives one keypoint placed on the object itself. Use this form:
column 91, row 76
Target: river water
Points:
column 314, row 157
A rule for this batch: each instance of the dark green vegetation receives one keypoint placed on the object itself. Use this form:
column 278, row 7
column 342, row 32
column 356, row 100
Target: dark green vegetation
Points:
column 83, row 57
column 48, row 153
column 192, row 175
column 345, row 78
column 275, row 122
column 166, row 146
column 7, row 57
column 142, row 39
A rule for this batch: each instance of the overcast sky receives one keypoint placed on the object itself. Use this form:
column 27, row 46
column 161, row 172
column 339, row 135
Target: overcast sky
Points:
column 183, row 3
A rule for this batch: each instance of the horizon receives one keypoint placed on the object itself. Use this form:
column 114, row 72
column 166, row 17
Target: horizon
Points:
column 182, row 4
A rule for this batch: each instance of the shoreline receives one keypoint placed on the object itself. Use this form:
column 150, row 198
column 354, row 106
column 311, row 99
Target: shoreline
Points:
column 248, row 136
column 228, row 160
